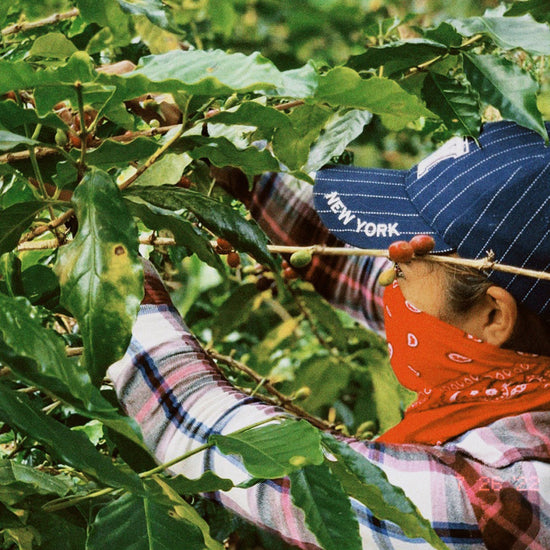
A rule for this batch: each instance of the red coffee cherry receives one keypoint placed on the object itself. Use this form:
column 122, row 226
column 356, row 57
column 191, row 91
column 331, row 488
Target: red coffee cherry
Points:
column 223, row 246
column 233, row 259
column 184, row 182
column 400, row 251
column 422, row 244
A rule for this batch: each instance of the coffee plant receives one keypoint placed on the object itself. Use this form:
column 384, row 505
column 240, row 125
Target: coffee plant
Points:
column 113, row 115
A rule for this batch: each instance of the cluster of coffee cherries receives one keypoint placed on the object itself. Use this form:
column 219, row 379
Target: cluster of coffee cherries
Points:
column 403, row 252
column 290, row 267
column 225, row 248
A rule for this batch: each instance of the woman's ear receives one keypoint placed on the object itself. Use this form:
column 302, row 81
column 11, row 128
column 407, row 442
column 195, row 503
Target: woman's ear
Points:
column 499, row 316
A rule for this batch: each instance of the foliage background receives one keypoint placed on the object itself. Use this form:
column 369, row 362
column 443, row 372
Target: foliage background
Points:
column 426, row 69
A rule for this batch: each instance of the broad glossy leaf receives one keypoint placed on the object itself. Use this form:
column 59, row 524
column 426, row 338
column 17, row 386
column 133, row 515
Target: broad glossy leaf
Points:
column 72, row 448
column 100, row 273
column 165, row 171
column 209, row 73
column 454, row 102
column 149, row 523
column 274, row 450
column 113, row 153
column 9, row 140
column 18, row 75
column 107, row 13
column 397, row 57
column 10, row 274
column 537, row 8
column 327, row 509
column 507, row 87
column 14, row 116
column 18, row 481
column 185, row 234
column 341, row 129
column 154, row 10
column 209, row 482
column 252, row 113
column 37, row 355
column 342, row 86
column 368, row 484
column 220, row 218
column 444, row 34
column 292, row 147
column 508, row 32
column 52, row 45
column 222, row 152
column 14, row 220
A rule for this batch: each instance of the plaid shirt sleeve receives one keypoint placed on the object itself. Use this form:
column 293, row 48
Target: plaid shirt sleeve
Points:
column 283, row 207
column 499, row 500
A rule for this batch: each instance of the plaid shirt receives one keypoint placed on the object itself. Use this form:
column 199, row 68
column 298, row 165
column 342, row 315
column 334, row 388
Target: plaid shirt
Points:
column 489, row 488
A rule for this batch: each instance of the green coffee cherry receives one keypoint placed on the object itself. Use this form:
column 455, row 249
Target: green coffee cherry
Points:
column 61, row 137
column 301, row 258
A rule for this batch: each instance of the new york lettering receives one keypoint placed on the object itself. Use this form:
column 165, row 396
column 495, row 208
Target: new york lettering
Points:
column 370, row 229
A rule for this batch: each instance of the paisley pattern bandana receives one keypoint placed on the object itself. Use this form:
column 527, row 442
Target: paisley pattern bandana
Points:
column 461, row 381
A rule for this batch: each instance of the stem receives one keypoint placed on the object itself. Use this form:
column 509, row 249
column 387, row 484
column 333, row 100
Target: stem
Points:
column 83, row 134
column 52, row 19
column 282, row 400
column 482, row 264
column 153, row 158
column 66, row 502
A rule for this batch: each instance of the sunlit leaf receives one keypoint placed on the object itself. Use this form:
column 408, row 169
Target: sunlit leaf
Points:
column 507, row 87
column 367, row 483
column 327, row 509
column 274, row 450
column 100, row 273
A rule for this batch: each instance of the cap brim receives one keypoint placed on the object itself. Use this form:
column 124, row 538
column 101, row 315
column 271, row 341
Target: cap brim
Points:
column 369, row 208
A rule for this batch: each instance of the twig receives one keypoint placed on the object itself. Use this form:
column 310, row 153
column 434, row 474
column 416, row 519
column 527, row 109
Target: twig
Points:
column 482, row 264
column 281, row 399
column 52, row 19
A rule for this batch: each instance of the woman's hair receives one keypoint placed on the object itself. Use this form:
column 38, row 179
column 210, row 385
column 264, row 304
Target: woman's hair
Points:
column 467, row 285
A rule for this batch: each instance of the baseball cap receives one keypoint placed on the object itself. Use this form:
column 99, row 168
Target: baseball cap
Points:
column 471, row 196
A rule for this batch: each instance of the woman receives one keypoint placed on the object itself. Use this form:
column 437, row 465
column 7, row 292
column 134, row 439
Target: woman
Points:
column 473, row 451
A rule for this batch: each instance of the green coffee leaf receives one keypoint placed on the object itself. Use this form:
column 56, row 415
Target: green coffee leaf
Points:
column 209, row 482
column 147, row 523
column 184, row 232
column 456, row 104
column 72, row 448
column 537, row 8
column 397, row 57
column 340, row 130
column 220, row 218
column 327, row 509
column 9, row 140
column 53, row 45
column 17, row 481
column 507, row 87
column 100, row 273
column 14, row 220
column 342, row 86
column 37, row 356
column 274, row 450
column 367, row 483
column 508, row 32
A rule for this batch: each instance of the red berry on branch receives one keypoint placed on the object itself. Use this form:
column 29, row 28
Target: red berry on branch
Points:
column 233, row 259
column 184, row 182
column 223, row 246
column 401, row 251
column 422, row 244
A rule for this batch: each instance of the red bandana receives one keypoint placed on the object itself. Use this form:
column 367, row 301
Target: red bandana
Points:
column 462, row 382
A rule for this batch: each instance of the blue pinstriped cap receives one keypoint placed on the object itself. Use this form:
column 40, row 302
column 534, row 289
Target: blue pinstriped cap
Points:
column 493, row 195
